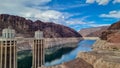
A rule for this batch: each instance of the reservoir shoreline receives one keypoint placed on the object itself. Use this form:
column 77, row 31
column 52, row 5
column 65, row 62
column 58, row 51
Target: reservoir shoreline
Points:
column 75, row 50
column 103, row 55
column 26, row 43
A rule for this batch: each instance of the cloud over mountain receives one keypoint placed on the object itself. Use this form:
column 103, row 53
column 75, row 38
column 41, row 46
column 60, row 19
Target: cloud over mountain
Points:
column 67, row 12
column 112, row 14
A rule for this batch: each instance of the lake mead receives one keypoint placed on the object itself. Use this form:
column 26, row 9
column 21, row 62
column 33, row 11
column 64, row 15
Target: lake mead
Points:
column 82, row 46
column 65, row 54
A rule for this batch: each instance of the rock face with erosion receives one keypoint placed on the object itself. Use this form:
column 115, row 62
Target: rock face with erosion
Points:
column 104, row 45
column 112, row 34
column 26, row 27
column 102, row 59
column 106, row 51
column 93, row 32
column 77, row 63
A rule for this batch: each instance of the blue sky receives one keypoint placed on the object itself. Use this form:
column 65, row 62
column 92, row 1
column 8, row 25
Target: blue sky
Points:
column 76, row 14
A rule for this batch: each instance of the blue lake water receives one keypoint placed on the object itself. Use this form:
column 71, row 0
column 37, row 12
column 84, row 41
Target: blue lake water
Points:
column 83, row 46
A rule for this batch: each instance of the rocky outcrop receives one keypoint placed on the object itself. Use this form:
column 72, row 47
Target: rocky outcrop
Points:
column 26, row 27
column 93, row 32
column 104, row 55
column 100, row 45
column 77, row 63
column 106, row 51
column 101, row 59
column 98, row 32
column 104, row 35
column 104, row 45
column 114, row 38
column 115, row 26
column 112, row 34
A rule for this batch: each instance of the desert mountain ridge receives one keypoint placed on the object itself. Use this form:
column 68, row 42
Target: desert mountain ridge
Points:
column 93, row 31
column 27, row 28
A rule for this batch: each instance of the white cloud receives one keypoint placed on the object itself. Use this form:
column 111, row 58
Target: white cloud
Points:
column 78, row 21
column 100, row 2
column 112, row 14
column 116, row 1
column 46, row 16
column 22, row 8
column 17, row 6
column 98, row 25
column 90, row 1
column 82, row 23
column 71, row 22
column 65, row 7
column 9, row 3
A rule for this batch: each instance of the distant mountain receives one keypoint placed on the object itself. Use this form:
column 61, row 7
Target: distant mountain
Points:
column 112, row 34
column 27, row 28
column 93, row 32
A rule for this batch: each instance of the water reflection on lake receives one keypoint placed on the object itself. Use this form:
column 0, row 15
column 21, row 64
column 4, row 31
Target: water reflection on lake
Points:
column 83, row 46
column 25, row 57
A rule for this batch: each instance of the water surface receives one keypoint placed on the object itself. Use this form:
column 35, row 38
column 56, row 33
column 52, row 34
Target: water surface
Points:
column 25, row 57
column 83, row 46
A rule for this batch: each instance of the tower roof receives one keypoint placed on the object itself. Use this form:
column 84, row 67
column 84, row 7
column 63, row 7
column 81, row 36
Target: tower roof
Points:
column 8, row 33
column 38, row 34
column 8, row 30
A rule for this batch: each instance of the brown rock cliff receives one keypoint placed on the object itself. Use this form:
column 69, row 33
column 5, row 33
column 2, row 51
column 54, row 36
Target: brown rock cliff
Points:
column 26, row 27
